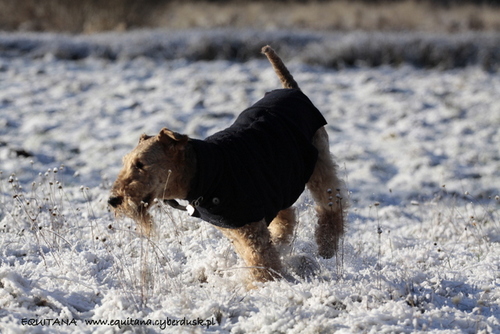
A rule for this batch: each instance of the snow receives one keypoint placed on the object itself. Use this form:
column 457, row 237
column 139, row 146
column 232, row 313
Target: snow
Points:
column 418, row 148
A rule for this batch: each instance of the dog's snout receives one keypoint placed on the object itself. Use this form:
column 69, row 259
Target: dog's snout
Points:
column 115, row 201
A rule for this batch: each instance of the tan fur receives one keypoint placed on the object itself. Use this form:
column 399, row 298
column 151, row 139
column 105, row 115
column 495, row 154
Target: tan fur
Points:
column 163, row 166
column 284, row 75
column 282, row 227
column 329, row 193
column 253, row 244
column 165, row 172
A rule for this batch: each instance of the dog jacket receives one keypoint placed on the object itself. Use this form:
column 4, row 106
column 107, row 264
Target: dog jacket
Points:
column 260, row 164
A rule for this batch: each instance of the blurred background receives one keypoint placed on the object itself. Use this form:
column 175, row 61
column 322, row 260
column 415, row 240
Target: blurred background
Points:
column 91, row 16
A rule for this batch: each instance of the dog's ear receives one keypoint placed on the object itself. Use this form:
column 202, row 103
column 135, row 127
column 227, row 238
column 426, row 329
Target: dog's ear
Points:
column 169, row 137
column 144, row 137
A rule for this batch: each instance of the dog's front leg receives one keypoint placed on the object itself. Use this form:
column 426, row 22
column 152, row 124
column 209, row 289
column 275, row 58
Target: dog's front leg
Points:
column 253, row 244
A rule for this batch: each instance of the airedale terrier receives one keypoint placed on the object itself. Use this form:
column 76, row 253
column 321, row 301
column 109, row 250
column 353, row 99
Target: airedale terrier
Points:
column 244, row 179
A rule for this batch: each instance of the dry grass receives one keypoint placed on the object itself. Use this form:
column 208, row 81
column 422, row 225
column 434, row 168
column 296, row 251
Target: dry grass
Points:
column 93, row 16
column 332, row 15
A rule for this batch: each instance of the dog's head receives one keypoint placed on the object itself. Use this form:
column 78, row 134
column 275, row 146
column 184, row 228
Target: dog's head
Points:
column 152, row 170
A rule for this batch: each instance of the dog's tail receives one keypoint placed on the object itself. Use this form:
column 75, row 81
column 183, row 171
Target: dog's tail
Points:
column 286, row 78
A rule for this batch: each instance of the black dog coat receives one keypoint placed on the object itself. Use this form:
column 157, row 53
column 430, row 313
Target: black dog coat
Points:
column 260, row 164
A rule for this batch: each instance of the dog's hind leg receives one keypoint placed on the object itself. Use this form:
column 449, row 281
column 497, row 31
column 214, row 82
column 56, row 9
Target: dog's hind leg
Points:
column 253, row 244
column 328, row 193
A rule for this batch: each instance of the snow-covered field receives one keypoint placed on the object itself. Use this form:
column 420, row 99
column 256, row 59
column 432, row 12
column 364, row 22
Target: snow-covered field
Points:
column 419, row 150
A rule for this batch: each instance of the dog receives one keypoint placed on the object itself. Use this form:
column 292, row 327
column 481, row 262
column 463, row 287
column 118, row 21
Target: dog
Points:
column 244, row 179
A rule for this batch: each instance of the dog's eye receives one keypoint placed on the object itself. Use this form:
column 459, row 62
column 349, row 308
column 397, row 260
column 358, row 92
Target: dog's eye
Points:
column 139, row 165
